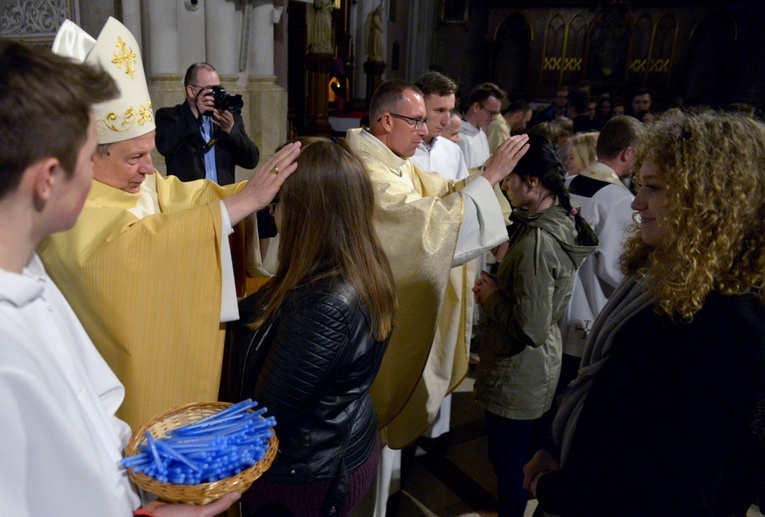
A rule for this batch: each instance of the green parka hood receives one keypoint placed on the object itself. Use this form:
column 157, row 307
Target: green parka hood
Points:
column 556, row 222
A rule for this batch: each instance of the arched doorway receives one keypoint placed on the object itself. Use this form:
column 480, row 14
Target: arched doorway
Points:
column 511, row 62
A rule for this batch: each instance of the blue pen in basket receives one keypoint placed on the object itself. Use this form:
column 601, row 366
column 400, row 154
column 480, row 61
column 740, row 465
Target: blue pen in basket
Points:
column 199, row 452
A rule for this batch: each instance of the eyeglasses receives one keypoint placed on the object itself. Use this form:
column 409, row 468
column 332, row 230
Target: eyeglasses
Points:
column 490, row 112
column 209, row 86
column 417, row 123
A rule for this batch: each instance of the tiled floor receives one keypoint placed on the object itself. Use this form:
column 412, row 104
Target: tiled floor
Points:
column 457, row 480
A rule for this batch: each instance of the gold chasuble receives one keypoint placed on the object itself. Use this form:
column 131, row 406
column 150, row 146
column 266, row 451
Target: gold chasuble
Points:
column 417, row 217
column 148, row 291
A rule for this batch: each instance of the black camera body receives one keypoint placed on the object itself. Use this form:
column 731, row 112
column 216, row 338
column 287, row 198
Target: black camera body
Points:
column 226, row 101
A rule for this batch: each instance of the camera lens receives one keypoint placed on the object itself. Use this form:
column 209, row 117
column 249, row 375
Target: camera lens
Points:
column 225, row 101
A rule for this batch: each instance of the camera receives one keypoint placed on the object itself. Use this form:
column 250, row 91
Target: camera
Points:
column 225, row 101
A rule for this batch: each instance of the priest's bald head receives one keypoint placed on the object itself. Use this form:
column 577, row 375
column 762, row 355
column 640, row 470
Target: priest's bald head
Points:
column 398, row 117
column 125, row 125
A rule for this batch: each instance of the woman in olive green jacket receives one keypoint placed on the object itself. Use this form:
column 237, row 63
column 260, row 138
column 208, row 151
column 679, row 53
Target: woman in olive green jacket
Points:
column 521, row 350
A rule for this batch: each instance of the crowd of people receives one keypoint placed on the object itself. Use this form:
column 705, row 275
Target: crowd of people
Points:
column 616, row 263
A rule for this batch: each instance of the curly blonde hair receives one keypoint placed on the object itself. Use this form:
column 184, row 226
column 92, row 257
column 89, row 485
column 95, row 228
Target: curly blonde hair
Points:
column 714, row 166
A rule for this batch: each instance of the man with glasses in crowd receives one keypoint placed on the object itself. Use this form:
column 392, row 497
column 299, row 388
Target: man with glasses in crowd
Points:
column 483, row 106
column 427, row 225
column 199, row 141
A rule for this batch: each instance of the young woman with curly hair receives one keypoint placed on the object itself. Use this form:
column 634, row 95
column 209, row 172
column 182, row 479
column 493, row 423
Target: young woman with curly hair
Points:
column 666, row 416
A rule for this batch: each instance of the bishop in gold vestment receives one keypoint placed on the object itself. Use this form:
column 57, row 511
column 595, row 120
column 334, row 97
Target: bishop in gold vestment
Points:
column 147, row 267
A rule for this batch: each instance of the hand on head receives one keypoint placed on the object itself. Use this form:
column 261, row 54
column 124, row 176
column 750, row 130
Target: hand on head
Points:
column 505, row 158
column 264, row 184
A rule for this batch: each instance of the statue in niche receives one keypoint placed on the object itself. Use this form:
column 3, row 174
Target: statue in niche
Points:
column 374, row 35
column 320, row 28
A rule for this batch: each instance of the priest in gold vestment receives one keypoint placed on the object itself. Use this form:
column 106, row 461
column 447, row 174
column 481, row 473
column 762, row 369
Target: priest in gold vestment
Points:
column 430, row 227
column 147, row 267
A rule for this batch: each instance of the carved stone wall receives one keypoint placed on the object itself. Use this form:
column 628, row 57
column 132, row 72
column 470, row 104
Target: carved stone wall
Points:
column 35, row 21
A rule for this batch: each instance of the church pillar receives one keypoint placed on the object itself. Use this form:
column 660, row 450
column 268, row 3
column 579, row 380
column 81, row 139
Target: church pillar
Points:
column 222, row 29
column 131, row 17
column 163, row 54
column 266, row 101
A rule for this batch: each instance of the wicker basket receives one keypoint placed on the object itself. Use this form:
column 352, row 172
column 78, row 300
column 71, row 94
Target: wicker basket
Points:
column 193, row 494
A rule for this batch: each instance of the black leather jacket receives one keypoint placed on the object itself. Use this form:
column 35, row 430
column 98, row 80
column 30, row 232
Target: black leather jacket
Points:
column 313, row 369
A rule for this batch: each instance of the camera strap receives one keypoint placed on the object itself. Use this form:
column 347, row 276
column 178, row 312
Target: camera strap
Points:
column 207, row 128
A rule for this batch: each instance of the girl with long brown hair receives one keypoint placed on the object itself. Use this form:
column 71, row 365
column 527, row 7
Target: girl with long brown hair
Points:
column 317, row 334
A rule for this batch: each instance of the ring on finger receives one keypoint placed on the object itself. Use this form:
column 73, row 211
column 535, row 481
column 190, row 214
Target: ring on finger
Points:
column 274, row 170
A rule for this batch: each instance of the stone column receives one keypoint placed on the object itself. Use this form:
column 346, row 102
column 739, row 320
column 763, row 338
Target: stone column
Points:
column 222, row 31
column 163, row 53
column 266, row 101
column 131, row 17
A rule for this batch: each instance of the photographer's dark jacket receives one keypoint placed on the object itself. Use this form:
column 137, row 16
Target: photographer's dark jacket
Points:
column 315, row 362
column 179, row 140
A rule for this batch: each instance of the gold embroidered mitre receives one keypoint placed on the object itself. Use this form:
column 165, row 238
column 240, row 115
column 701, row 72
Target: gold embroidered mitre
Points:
column 116, row 51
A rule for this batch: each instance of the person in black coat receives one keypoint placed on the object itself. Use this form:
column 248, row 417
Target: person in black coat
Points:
column 667, row 414
column 199, row 141
column 311, row 341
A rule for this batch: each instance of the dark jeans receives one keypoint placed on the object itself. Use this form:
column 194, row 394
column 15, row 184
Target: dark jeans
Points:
column 509, row 451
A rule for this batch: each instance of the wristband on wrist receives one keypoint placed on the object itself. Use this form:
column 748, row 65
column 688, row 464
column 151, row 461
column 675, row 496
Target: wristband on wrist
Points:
column 142, row 512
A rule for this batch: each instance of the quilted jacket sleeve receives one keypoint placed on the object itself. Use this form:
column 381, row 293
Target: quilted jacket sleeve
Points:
column 307, row 349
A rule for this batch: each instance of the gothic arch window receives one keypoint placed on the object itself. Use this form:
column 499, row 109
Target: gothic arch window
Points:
column 563, row 52
column 510, row 65
column 576, row 42
column 553, row 51
column 662, row 51
column 640, row 49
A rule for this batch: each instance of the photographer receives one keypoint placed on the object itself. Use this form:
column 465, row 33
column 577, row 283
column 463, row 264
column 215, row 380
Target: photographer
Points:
column 204, row 137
